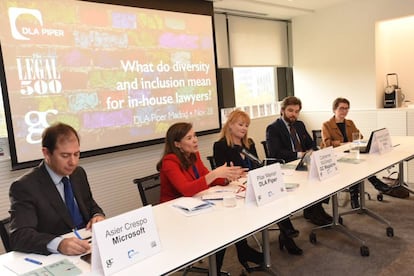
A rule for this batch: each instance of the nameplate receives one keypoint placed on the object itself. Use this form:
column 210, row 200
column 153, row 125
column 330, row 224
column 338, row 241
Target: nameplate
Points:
column 124, row 240
column 323, row 164
column 381, row 142
column 265, row 184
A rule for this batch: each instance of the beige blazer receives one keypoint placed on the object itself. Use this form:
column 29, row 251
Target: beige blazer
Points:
column 331, row 134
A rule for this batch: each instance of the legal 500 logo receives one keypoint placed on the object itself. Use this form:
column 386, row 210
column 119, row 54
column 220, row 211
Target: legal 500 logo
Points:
column 30, row 30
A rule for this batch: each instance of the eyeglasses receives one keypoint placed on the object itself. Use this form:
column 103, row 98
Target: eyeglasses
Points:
column 343, row 108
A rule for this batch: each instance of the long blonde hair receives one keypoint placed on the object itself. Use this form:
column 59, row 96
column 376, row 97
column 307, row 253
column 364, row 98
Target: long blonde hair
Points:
column 233, row 117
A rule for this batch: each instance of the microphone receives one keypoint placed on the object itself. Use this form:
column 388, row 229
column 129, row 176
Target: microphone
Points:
column 249, row 155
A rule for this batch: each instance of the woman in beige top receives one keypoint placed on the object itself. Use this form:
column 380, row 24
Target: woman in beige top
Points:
column 337, row 131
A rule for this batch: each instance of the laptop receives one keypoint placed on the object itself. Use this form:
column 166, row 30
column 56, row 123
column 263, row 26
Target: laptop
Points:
column 302, row 165
column 366, row 149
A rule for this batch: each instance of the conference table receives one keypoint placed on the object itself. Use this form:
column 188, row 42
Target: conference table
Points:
column 187, row 239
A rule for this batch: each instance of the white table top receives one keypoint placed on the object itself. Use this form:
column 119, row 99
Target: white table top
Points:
column 185, row 240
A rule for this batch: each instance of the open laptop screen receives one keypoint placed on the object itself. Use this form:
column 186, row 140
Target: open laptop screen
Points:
column 366, row 149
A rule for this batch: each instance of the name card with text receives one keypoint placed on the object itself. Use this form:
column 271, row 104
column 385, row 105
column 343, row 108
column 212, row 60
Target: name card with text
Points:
column 323, row 164
column 381, row 142
column 123, row 240
column 265, row 184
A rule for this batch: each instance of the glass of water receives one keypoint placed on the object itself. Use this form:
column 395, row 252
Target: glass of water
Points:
column 356, row 143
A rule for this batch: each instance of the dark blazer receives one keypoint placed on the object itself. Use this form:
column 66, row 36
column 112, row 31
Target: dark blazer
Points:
column 225, row 154
column 38, row 212
column 279, row 142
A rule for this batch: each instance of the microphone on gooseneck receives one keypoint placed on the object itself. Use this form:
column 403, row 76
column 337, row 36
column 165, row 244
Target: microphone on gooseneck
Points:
column 249, row 155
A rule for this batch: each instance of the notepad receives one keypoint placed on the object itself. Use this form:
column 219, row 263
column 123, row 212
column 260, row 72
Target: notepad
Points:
column 192, row 206
column 63, row 267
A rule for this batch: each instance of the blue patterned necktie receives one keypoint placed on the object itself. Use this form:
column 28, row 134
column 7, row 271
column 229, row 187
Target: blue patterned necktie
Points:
column 72, row 206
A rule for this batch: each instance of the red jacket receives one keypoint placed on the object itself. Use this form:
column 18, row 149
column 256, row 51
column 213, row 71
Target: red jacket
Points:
column 177, row 182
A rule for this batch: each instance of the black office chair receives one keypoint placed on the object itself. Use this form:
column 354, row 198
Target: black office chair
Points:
column 212, row 161
column 270, row 160
column 266, row 150
column 317, row 138
column 149, row 188
column 4, row 233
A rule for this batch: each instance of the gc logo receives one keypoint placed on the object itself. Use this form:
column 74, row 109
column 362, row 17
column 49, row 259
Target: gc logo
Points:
column 37, row 122
column 109, row 262
column 14, row 13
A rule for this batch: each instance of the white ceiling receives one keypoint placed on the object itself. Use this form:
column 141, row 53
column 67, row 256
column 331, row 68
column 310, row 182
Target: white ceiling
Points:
column 279, row 9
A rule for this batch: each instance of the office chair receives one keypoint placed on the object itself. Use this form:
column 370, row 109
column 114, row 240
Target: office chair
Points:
column 317, row 138
column 4, row 233
column 270, row 160
column 212, row 161
column 266, row 150
column 149, row 188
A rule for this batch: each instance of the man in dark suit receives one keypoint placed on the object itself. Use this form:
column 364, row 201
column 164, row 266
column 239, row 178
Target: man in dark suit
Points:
column 39, row 215
column 288, row 139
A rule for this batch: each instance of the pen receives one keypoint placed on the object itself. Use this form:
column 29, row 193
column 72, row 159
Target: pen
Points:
column 396, row 145
column 75, row 231
column 89, row 239
column 32, row 261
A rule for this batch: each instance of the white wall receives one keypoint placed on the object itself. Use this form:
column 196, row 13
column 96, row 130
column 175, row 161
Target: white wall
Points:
column 394, row 54
column 334, row 53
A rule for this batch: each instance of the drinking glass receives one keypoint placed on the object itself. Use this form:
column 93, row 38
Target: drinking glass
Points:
column 356, row 141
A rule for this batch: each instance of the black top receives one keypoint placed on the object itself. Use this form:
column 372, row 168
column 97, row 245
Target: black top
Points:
column 225, row 154
column 342, row 128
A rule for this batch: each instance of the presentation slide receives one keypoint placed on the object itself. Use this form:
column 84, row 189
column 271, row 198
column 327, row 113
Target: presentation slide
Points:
column 119, row 75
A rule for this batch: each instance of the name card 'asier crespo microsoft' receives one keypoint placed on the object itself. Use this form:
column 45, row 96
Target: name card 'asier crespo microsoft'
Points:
column 123, row 240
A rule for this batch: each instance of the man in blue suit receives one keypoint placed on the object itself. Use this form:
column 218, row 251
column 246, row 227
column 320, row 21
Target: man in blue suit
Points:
column 288, row 139
column 39, row 210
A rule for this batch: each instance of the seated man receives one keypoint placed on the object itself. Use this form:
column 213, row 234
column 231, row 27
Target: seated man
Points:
column 53, row 199
column 288, row 139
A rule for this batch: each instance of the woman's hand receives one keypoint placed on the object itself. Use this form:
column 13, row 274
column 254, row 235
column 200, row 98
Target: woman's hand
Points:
column 230, row 172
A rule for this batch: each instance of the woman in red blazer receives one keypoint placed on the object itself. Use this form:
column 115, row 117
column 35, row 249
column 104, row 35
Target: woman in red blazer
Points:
column 182, row 172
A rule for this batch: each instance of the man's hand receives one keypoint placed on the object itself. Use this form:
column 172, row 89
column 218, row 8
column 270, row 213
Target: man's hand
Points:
column 93, row 220
column 73, row 246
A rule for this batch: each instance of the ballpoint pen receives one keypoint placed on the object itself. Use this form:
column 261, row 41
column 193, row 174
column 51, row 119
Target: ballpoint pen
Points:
column 75, row 231
column 32, row 261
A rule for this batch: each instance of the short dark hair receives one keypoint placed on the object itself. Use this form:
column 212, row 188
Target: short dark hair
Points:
column 55, row 133
column 337, row 101
column 291, row 100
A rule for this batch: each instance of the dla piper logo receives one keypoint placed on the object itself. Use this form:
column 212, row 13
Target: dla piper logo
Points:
column 24, row 32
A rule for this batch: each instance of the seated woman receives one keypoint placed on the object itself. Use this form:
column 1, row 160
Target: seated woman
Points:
column 234, row 137
column 182, row 173
column 337, row 131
